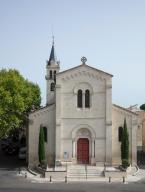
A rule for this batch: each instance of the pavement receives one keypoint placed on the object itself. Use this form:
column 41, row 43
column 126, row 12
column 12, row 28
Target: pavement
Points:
column 138, row 176
column 12, row 181
column 15, row 180
column 12, row 177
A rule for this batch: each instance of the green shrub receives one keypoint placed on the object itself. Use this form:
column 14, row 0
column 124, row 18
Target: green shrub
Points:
column 125, row 163
column 125, row 146
column 142, row 107
column 41, row 150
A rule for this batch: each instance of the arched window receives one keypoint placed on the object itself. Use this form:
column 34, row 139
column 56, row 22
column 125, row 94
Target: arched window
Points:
column 45, row 133
column 120, row 133
column 87, row 98
column 79, row 98
column 52, row 86
column 55, row 76
column 50, row 74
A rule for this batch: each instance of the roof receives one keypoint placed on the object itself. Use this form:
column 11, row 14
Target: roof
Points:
column 125, row 109
column 86, row 66
column 41, row 108
column 52, row 55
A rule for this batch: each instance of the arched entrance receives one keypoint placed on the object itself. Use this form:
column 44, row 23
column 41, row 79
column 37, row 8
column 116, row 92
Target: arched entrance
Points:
column 83, row 151
column 83, row 145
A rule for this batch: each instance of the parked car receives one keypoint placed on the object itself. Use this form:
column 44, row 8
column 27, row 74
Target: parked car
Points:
column 22, row 153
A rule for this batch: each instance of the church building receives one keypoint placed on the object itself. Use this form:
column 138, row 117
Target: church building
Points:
column 81, row 124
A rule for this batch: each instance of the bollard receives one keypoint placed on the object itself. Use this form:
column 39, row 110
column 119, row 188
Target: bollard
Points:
column 25, row 174
column 123, row 179
column 109, row 179
column 65, row 179
column 50, row 179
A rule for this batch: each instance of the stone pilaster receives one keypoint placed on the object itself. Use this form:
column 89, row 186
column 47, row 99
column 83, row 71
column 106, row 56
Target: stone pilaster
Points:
column 109, row 122
column 134, row 140
column 58, row 123
column 93, row 152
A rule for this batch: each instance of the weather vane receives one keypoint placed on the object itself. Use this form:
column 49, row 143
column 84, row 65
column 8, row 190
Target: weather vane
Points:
column 84, row 60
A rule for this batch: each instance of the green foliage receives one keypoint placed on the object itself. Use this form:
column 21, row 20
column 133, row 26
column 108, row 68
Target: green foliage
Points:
column 125, row 163
column 17, row 97
column 41, row 150
column 125, row 145
column 142, row 107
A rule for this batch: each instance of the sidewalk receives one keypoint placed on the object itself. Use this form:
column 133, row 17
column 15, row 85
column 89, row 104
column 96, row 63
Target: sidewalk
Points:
column 140, row 175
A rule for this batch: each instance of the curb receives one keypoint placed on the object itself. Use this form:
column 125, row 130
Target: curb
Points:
column 136, row 171
column 32, row 172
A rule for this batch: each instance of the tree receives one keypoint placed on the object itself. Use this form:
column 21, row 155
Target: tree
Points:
column 142, row 107
column 125, row 146
column 41, row 150
column 17, row 97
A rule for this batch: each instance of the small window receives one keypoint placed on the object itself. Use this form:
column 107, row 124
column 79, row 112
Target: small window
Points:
column 120, row 133
column 79, row 99
column 45, row 133
column 87, row 98
column 55, row 76
column 50, row 73
column 52, row 86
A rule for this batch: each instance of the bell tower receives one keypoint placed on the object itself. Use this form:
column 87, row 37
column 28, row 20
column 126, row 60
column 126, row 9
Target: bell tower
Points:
column 52, row 68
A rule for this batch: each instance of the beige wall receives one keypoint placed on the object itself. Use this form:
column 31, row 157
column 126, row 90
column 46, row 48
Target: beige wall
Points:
column 97, row 118
column 141, row 130
column 118, row 116
column 66, row 123
column 43, row 117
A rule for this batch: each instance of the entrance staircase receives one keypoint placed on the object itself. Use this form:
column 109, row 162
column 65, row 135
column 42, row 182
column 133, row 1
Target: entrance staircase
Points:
column 84, row 172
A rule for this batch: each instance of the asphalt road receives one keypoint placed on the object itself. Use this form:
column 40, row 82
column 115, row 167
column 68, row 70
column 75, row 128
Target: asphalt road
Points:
column 76, row 187
column 10, row 181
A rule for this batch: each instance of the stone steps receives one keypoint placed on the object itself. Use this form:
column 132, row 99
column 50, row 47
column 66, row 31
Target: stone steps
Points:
column 82, row 172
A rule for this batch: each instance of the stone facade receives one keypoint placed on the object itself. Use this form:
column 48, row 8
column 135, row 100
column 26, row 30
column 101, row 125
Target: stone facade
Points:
column 73, row 122
column 68, row 126
column 118, row 116
column 140, row 127
column 44, row 117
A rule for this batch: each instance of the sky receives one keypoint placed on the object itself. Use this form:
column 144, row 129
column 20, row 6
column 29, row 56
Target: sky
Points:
column 110, row 33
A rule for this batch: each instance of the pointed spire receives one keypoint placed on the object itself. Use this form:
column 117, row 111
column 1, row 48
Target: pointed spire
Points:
column 52, row 53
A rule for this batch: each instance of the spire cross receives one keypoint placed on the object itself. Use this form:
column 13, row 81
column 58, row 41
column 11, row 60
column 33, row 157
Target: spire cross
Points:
column 53, row 39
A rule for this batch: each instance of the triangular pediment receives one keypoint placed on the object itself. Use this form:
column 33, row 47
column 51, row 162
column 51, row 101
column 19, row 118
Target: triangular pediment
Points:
column 86, row 70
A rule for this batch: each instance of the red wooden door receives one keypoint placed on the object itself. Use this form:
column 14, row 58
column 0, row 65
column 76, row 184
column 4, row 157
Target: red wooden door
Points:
column 83, row 151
